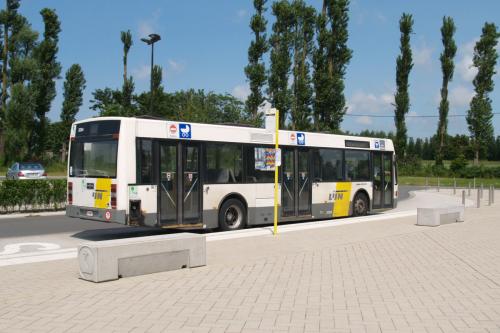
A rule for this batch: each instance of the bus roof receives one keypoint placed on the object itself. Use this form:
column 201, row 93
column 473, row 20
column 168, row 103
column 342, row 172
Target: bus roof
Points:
column 165, row 129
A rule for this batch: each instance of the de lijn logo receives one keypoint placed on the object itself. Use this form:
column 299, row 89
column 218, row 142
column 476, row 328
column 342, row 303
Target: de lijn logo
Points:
column 184, row 131
column 301, row 139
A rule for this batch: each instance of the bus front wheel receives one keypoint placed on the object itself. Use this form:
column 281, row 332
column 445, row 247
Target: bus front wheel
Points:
column 360, row 205
column 232, row 215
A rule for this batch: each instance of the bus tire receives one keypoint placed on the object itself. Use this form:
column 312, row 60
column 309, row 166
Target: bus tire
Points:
column 232, row 215
column 360, row 205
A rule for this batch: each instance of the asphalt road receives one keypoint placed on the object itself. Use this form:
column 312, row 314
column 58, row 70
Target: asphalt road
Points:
column 90, row 230
column 404, row 191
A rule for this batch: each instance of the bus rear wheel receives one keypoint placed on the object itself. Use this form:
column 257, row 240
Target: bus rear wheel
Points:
column 360, row 205
column 232, row 215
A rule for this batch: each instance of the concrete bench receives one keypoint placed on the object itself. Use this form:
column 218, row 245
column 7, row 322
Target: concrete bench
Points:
column 112, row 259
column 434, row 217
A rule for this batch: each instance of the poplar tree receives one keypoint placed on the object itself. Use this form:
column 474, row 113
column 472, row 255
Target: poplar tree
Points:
column 126, row 38
column 156, row 89
column 128, row 82
column 48, row 71
column 339, row 56
column 321, row 81
column 73, row 99
column 7, row 17
column 256, row 70
column 479, row 116
column 303, row 34
column 403, row 67
column 74, row 85
column 447, row 67
column 280, row 41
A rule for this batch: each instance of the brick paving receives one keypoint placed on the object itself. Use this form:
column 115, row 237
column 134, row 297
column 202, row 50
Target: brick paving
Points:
column 382, row 276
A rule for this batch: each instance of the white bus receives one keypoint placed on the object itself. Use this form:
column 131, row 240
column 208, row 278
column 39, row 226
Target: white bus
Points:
column 160, row 173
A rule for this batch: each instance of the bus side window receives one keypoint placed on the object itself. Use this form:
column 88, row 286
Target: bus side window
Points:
column 327, row 165
column 224, row 163
column 357, row 163
column 255, row 171
column 145, row 161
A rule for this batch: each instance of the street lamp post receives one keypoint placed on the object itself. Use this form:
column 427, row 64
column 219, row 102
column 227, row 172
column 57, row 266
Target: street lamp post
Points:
column 153, row 38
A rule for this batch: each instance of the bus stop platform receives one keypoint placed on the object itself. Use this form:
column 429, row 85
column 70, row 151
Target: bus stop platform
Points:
column 386, row 275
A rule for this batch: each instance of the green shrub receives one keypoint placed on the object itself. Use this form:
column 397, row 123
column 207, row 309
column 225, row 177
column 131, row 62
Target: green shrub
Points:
column 410, row 165
column 459, row 164
column 32, row 194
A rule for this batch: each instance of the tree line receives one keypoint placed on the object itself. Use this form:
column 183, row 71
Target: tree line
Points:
column 297, row 64
column 187, row 105
column 481, row 140
column 29, row 68
column 308, row 58
column 305, row 82
column 456, row 147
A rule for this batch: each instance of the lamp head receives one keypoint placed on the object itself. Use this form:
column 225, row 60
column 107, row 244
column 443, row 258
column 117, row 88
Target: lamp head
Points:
column 154, row 38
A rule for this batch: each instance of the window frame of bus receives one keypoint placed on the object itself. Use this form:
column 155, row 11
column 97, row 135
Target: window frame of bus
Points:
column 154, row 161
column 250, row 149
column 91, row 139
column 206, row 178
column 342, row 165
column 370, row 176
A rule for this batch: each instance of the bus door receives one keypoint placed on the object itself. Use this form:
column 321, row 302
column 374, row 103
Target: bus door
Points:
column 383, row 185
column 179, row 183
column 296, row 182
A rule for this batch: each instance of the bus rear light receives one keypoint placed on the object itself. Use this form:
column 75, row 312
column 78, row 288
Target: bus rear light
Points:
column 70, row 193
column 20, row 174
column 44, row 174
column 116, row 136
column 113, row 196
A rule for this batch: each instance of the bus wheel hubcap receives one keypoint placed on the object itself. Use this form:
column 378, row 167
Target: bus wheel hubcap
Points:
column 360, row 206
column 233, row 216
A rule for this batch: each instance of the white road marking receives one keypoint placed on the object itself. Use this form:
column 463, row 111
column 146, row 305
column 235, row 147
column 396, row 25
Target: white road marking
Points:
column 31, row 257
column 24, row 215
column 16, row 247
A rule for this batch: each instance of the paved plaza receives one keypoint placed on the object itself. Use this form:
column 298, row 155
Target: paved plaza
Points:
column 378, row 276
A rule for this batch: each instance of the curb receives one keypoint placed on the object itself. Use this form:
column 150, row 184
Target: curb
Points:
column 24, row 215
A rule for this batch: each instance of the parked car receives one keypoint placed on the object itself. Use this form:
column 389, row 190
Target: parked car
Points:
column 26, row 170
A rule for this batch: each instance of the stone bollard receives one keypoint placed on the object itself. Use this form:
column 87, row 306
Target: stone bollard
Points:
column 463, row 197
column 489, row 195
column 439, row 184
column 478, row 201
column 482, row 188
column 469, row 190
column 492, row 193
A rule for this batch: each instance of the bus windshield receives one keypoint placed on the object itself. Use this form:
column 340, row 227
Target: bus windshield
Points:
column 94, row 159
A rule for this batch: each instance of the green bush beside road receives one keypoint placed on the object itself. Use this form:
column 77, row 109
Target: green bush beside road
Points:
column 32, row 195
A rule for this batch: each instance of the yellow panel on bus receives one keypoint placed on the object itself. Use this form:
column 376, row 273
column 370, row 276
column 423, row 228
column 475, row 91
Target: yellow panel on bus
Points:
column 102, row 194
column 342, row 200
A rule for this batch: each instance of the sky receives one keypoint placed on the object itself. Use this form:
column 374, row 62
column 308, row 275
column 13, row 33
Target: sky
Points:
column 204, row 46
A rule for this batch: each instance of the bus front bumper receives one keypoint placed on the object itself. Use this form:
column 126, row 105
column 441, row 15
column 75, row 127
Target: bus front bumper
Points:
column 97, row 214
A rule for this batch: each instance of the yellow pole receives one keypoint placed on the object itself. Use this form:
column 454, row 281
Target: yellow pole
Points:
column 276, row 115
